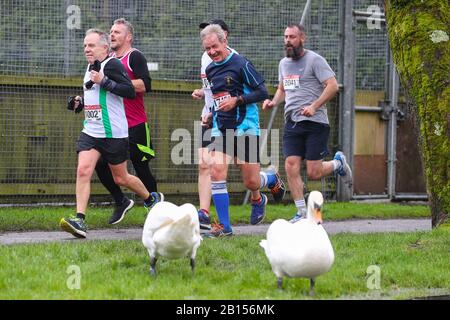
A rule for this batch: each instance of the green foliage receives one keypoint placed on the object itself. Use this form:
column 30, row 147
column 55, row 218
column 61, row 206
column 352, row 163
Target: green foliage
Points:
column 423, row 67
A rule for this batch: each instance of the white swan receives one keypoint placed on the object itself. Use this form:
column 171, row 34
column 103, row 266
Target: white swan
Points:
column 172, row 232
column 301, row 249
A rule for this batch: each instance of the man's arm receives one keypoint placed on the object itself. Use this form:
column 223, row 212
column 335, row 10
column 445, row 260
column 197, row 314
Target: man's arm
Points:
column 116, row 80
column 258, row 94
column 138, row 63
column 255, row 81
column 277, row 98
column 331, row 88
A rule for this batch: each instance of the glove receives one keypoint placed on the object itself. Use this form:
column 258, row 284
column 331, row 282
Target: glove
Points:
column 96, row 67
column 71, row 104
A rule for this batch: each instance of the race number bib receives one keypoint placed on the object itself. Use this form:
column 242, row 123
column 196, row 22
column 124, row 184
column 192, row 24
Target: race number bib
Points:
column 205, row 82
column 93, row 113
column 291, row 82
column 219, row 97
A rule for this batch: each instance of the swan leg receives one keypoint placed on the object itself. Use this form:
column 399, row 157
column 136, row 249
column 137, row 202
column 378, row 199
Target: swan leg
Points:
column 312, row 283
column 153, row 266
column 280, row 282
column 193, row 265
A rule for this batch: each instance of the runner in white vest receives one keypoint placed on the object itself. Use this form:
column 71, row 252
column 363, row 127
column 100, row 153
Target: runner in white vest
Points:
column 104, row 111
column 105, row 130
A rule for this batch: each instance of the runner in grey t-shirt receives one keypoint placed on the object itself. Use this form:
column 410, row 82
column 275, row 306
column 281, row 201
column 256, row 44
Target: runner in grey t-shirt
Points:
column 306, row 84
column 302, row 81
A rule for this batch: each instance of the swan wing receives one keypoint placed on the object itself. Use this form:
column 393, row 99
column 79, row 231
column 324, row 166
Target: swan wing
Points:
column 180, row 237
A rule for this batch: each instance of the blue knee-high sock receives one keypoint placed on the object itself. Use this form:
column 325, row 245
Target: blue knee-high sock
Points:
column 267, row 179
column 222, row 202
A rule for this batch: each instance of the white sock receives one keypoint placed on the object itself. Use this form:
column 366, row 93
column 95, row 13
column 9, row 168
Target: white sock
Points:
column 336, row 164
column 263, row 177
column 301, row 207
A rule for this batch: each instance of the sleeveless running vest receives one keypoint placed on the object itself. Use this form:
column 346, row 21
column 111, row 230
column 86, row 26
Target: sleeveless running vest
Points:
column 134, row 108
column 104, row 112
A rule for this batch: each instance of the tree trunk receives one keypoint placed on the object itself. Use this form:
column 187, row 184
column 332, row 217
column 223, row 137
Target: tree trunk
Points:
column 419, row 37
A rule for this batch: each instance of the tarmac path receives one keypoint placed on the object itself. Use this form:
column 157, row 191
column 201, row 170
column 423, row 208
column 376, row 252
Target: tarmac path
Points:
column 332, row 227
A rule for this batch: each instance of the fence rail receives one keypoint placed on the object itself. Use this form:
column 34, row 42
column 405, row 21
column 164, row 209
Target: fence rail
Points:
column 42, row 64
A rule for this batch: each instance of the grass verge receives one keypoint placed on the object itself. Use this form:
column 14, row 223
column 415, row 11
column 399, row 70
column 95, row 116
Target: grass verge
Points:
column 410, row 265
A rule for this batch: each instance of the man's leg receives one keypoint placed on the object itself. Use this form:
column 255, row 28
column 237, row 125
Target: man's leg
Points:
column 106, row 178
column 343, row 169
column 145, row 176
column 271, row 179
column 316, row 142
column 219, row 171
column 144, row 173
column 141, row 152
column 251, row 177
column 252, row 180
column 86, row 165
column 204, row 188
column 123, row 178
column 292, row 166
column 317, row 169
column 123, row 204
column 247, row 157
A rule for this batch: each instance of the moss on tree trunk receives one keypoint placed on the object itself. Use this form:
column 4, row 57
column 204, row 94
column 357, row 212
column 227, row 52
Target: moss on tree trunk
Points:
column 419, row 37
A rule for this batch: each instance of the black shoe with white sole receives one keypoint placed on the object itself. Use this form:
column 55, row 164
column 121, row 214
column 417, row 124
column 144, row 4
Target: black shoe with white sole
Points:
column 120, row 211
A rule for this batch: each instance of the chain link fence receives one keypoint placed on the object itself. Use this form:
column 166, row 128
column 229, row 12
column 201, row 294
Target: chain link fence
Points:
column 42, row 63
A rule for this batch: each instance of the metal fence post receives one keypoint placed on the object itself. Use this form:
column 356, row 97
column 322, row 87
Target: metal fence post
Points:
column 275, row 109
column 347, row 77
column 392, row 127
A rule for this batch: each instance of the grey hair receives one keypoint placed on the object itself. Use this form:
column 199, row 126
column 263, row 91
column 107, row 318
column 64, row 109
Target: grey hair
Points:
column 127, row 24
column 104, row 37
column 213, row 29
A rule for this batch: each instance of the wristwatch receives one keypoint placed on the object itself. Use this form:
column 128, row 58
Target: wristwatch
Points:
column 240, row 100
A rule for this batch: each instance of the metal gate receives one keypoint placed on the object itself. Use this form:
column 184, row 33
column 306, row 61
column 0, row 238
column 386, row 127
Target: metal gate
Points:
column 386, row 160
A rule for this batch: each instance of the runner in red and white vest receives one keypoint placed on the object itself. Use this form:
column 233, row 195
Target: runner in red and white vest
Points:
column 140, row 145
column 134, row 108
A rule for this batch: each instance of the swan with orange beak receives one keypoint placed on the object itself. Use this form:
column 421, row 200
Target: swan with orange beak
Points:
column 301, row 249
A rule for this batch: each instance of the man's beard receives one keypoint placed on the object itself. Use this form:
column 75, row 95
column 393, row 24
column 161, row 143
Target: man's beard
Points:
column 294, row 52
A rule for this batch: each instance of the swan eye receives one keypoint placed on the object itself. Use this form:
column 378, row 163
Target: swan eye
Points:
column 316, row 206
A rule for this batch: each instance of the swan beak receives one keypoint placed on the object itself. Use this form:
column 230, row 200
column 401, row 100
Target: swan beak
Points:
column 318, row 214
